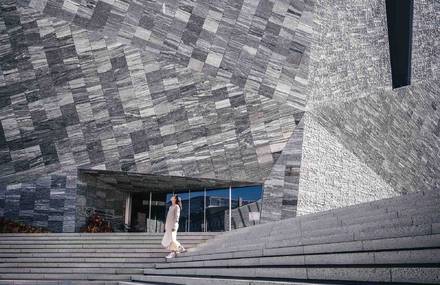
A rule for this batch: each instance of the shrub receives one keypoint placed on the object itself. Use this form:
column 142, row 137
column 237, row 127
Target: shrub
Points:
column 96, row 224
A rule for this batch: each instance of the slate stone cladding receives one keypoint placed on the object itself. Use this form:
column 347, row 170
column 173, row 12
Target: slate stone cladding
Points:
column 349, row 56
column 47, row 202
column 213, row 89
column 331, row 176
column 92, row 91
column 400, row 142
column 363, row 140
column 280, row 196
column 263, row 46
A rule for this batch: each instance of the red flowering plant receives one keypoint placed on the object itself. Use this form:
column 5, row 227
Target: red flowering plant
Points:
column 96, row 224
column 9, row 226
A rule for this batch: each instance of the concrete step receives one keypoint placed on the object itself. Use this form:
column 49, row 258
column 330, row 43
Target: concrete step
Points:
column 420, row 256
column 295, row 237
column 96, row 241
column 429, row 216
column 91, row 242
column 81, row 254
column 87, row 270
column 95, row 246
column 415, row 198
column 377, row 224
column 326, row 218
column 82, row 259
column 416, row 242
column 57, row 282
column 61, row 236
column 77, row 250
column 328, row 273
column 391, row 229
column 391, row 241
column 108, row 235
column 136, row 265
column 64, row 276
column 153, row 279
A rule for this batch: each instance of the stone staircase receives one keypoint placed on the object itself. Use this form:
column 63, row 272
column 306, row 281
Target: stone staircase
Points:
column 394, row 240
column 82, row 258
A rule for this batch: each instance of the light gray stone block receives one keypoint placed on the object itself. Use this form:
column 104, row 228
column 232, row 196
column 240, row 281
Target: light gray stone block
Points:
column 420, row 275
column 352, row 274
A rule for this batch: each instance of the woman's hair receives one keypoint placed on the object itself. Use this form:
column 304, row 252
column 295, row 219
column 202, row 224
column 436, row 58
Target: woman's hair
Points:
column 178, row 201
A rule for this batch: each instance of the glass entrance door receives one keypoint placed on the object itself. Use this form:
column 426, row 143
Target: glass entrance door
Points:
column 148, row 212
column 212, row 210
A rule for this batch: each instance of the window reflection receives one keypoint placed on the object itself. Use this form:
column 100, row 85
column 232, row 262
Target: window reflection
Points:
column 210, row 213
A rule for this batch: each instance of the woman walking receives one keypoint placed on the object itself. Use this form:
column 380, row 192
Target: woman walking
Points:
column 169, row 240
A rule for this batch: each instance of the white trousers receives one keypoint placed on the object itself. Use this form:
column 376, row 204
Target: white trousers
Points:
column 169, row 240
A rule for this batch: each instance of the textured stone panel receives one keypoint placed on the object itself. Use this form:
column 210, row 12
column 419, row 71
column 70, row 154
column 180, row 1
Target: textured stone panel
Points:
column 350, row 52
column 262, row 43
column 47, row 202
column 98, row 103
column 395, row 133
column 331, row 176
column 281, row 188
column 71, row 97
column 214, row 89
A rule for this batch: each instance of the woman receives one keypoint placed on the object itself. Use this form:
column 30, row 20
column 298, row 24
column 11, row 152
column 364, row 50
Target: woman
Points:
column 169, row 240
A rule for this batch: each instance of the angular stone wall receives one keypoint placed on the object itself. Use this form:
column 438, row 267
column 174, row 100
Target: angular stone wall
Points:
column 395, row 133
column 350, row 52
column 215, row 89
column 392, row 132
column 99, row 94
column 47, row 202
column 281, row 188
column 332, row 176
column 262, row 46
column 95, row 102
column 364, row 141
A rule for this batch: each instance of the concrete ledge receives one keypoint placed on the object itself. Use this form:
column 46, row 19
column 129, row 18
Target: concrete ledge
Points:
column 353, row 274
column 56, row 282
column 211, row 281
column 412, row 242
column 421, row 256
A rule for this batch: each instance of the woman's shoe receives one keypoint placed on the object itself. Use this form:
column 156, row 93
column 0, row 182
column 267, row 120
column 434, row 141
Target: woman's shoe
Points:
column 171, row 255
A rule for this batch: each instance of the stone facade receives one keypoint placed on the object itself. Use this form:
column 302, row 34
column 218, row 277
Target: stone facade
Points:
column 280, row 195
column 350, row 52
column 47, row 202
column 332, row 176
column 80, row 100
column 213, row 89
column 191, row 90
column 261, row 46
column 384, row 142
column 395, row 133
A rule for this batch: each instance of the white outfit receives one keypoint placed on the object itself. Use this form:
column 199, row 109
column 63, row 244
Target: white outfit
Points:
column 169, row 240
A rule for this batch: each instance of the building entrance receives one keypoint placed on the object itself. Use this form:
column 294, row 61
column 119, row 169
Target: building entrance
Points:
column 148, row 212
column 202, row 211
column 139, row 202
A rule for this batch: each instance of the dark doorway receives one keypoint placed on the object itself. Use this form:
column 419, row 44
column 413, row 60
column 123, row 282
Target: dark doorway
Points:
column 399, row 21
column 141, row 218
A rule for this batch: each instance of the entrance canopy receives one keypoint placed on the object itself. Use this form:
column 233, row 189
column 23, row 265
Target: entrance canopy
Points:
column 142, row 182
